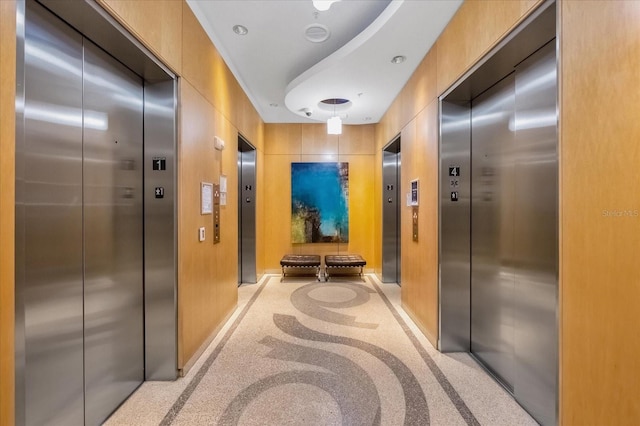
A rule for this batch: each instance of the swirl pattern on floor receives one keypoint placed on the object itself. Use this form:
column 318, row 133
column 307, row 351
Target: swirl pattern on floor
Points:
column 310, row 353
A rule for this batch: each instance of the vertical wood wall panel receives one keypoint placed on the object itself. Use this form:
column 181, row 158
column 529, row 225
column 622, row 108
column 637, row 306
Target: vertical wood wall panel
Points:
column 420, row 90
column 158, row 25
column 7, row 207
column 472, row 32
column 377, row 202
column 283, row 139
column 205, row 69
column 199, row 57
column 208, row 280
column 420, row 259
column 600, row 205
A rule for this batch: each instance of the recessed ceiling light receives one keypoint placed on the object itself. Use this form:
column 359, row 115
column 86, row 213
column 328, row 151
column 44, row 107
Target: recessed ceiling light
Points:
column 367, row 119
column 398, row 59
column 240, row 29
column 273, row 104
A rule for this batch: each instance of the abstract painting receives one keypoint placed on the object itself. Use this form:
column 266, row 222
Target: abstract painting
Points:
column 319, row 202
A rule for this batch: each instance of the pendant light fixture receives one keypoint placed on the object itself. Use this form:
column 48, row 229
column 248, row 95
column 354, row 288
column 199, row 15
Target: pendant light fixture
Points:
column 334, row 126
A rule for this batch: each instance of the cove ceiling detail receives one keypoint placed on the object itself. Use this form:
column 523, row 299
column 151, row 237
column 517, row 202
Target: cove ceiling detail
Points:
column 286, row 74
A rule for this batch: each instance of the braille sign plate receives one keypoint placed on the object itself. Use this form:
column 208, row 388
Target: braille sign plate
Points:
column 159, row 163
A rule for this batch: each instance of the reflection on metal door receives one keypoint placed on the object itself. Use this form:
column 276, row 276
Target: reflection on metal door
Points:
column 113, row 231
column 246, row 212
column 80, row 260
column 391, row 213
column 49, row 258
column 492, row 284
column 514, row 232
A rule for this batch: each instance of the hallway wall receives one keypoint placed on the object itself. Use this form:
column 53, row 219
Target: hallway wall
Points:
column 600, row 212
column 599, row 151
column 599, row 203
column 7, row 208
column 287, row 143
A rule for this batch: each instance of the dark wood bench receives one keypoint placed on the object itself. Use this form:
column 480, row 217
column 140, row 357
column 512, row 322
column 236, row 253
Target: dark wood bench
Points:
column 300, row 261
column 343, row 261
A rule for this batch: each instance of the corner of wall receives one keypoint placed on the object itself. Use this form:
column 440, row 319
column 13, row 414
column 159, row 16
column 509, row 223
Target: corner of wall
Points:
column 7, row 208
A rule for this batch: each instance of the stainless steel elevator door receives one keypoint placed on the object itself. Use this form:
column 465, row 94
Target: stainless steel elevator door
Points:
column 83, row 254
column 455, row 231
column 51, row 193
column 514, row 236
column 536, row 234
column 113, row 233
column 247, row 214
column 492, row 215
column 391, row 216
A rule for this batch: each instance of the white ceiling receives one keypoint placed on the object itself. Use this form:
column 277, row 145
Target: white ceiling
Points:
column 283, row 73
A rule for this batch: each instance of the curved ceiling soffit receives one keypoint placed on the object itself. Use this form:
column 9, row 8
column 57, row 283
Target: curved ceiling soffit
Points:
column 342, row 75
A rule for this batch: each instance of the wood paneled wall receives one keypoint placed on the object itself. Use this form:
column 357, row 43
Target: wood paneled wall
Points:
column 207, row 290
column 600, row 212
column 288, row 143
column 419, row 147
column 158, row 24
column 211, row 103
column 7, row 207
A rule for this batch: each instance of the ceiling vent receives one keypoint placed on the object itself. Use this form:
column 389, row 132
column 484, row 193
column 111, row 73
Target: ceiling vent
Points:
column 317, row 33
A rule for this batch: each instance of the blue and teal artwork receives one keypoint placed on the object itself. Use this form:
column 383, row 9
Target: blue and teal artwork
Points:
column 319, row 202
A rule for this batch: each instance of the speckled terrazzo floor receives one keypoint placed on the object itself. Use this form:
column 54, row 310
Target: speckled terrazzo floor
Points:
column 343, row 352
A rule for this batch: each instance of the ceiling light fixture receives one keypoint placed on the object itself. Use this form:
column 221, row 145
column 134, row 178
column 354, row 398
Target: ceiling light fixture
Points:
column 240, row 30
column 334, row 126
column 398, row 59
column 323, row 5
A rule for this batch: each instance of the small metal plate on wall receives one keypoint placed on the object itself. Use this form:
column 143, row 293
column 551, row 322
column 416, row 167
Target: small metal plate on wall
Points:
column 414, row 220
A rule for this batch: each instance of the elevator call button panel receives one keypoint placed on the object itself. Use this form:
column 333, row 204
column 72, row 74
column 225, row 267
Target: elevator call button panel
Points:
column 454, row 181
column 216, row 213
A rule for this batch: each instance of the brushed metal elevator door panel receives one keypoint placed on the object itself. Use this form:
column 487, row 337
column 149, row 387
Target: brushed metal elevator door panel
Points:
column 113, row 234
column 52, row 197
column 536, row 234
column 492, row 189
column 390, row 206
column 455, row 231
column 248, row 216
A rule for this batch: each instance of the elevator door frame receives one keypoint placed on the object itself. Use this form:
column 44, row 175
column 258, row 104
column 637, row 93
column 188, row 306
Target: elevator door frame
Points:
column 247, row 156
column 160, row 226
column 391, row 235
column 537, row 30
